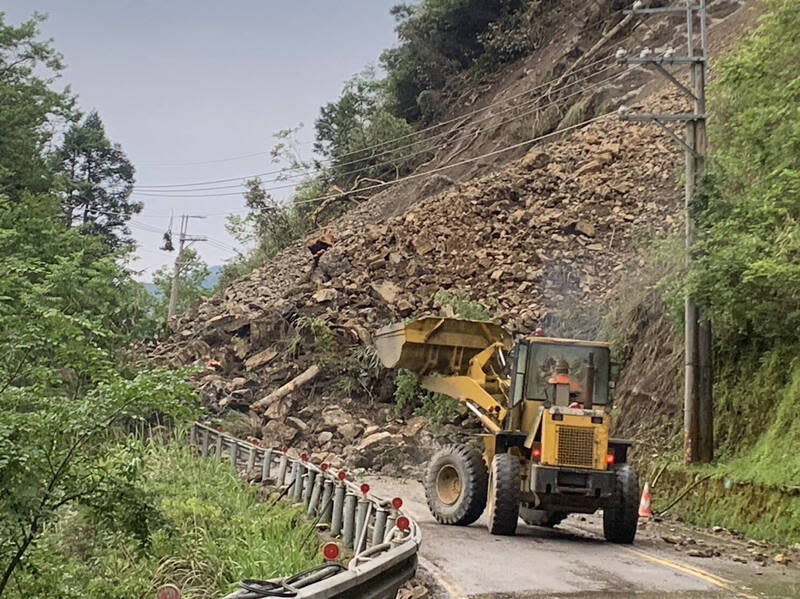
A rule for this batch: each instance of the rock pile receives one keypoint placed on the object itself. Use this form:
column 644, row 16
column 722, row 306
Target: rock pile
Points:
column 544, row 235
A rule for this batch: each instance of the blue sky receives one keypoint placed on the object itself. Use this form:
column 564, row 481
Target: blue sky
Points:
column 181, row 81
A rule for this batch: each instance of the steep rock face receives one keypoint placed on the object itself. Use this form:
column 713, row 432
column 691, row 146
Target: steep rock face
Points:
column 551, row 231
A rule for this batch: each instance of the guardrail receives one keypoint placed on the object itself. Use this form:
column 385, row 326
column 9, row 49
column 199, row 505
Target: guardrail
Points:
column 383, row 539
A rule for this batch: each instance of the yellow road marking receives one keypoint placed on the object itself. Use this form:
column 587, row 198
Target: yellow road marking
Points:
column 697, row 572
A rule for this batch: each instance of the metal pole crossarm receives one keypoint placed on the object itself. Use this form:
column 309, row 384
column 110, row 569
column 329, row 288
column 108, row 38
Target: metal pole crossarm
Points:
column 663, row 117
column 677, row 83
column 672, row 134
column 663, row 9
column 666, row 60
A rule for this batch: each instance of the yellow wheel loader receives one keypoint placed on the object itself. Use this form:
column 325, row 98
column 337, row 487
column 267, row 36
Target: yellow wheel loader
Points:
column 544, row 403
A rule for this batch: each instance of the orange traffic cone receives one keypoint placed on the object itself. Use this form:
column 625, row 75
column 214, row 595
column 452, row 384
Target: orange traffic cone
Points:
column 644, row 504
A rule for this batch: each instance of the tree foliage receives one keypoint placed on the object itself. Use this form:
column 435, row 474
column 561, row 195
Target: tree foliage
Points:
column 69, row 311
column 438, row 39
column 98, row 180
column 348, row 131
column 65, row 314
column 30, row 109
column 748, row 268
column 191, row 283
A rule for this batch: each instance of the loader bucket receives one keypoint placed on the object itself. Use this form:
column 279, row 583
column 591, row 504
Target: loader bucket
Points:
column 437, row 345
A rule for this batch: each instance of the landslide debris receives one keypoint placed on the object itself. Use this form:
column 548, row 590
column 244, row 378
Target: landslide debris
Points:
column 550, row 232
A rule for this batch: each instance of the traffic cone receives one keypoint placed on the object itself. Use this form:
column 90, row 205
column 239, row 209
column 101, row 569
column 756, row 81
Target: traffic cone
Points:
column 644, row 504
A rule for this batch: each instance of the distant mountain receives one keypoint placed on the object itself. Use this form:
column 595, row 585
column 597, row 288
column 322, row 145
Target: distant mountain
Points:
column 215, row 272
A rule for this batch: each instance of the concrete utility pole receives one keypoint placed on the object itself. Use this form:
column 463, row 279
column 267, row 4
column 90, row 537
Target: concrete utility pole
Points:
column 183, row 239
column 698, row 424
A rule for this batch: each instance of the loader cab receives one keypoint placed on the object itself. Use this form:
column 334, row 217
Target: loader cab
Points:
column 561, row 372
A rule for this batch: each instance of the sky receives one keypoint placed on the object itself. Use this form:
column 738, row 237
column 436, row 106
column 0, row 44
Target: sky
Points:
column 184, row 85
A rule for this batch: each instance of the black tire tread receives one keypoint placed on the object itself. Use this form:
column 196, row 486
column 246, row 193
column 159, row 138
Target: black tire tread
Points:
column 503, row 518
column 473, row 498
column 620, row 522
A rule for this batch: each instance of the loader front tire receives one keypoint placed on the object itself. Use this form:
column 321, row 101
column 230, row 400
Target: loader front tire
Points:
column 621, row 520
column 504, row 492
column 455, row 485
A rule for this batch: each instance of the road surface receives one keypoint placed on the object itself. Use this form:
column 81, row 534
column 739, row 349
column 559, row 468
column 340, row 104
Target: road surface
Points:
column 573, row 561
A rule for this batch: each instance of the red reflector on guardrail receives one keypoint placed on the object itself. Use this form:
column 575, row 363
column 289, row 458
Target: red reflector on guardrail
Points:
column 330, row 551
column 365, row 488
column 403, row 523
column 304, row 456
column 342, row 475
column 397, row 503
column 323, row 467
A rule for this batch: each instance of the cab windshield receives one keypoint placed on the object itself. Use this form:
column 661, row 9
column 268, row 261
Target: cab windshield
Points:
column 541, row 367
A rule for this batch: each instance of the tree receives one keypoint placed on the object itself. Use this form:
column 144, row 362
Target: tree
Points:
column 191, row 283
column 98, row 180
column 438, row 39
column 65, row 398
column 30, row 110
column 348, row 131
column 748, row 267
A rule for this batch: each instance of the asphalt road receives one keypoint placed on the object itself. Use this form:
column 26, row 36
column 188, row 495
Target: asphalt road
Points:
column 572, row 560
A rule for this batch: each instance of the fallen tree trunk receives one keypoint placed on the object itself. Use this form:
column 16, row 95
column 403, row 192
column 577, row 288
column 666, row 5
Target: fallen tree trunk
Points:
column 297, row 382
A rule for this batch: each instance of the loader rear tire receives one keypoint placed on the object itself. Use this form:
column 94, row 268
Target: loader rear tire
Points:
column 504, row 492
column 620, row 521
column 455, row 485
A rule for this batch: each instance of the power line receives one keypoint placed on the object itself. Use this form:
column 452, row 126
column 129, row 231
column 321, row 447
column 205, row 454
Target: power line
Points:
column 186, row 194
column 417, row 152
column 400, row 138
column 441, row 168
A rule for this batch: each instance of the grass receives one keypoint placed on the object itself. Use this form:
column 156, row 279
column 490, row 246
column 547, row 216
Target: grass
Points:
column 755, row 510
column 207, row 531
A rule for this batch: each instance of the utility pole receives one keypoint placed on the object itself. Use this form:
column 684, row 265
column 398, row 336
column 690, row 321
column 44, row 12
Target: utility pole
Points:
column 183, row 240
column 698, row 424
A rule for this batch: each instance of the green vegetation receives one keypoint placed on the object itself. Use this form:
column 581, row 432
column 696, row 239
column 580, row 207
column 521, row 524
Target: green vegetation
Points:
column 195, row 525
column 748, row 268
column 758, row 511
column 96, row 180
column 440, row 39
column 461, row 305
column 86, row 508
column 436, row 408
column 191, row 289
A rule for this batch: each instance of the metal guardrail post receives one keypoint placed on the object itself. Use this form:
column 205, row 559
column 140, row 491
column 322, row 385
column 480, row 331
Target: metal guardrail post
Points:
column 313, row 503
column 308, row 488
column 234, row 451
column 205, row 443
column 297, row 489
column 294, row 474
column 338, row 510
column 266, row 465
column 361, row 523
column 348, row 526
column 327, row 501
column 251, row 460
column 379, row 528
column 282, row 470
column 385, row 557
column 390, row 523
